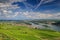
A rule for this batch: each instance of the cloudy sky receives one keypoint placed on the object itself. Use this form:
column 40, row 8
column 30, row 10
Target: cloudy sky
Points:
column 29, row 9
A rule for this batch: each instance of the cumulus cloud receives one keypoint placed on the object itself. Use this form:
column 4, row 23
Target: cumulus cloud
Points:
column 9, row 16
column 16, row 1
column 6, row 6
column 11, row 1
column 40, row 15
column 9, row 13
column 57, row 16
column 37, row 15
column 6, row 10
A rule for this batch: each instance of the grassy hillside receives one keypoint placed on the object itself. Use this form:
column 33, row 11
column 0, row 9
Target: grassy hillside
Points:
column 14, row 32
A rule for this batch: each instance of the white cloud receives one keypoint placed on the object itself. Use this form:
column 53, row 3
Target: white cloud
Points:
column 56, row 16
column 43, row 2
column 16, row 1
column 32, row 15
column 5, row 11
column 37, row 15
column 16, row 14
column 6, row 8
column 7, row 1
column 9, row 16
column 47, row 1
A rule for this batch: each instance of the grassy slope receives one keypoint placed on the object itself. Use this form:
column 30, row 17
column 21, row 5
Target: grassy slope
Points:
column 11, row 32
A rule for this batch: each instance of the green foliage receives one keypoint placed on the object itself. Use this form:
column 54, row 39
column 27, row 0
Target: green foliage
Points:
column 13, row 32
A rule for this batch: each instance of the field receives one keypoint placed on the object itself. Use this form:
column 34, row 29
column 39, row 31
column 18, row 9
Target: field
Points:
column 15, row 32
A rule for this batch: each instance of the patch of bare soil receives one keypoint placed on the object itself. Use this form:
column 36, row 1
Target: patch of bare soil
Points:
column 57, row 38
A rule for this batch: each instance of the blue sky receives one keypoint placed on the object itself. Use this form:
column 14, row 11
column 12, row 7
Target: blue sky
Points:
column 29, row 9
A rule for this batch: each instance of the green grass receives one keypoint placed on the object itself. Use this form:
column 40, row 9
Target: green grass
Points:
column 13, row 32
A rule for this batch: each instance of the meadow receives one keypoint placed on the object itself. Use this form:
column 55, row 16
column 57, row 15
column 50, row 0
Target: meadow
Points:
column 15, row 32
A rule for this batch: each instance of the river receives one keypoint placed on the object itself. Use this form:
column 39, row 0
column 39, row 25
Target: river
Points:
column 41, row 26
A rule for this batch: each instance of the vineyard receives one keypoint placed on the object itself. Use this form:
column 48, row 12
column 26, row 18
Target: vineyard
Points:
column 15, row 32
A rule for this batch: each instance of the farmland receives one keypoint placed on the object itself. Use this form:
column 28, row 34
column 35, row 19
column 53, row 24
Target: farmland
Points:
column 15, row 32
